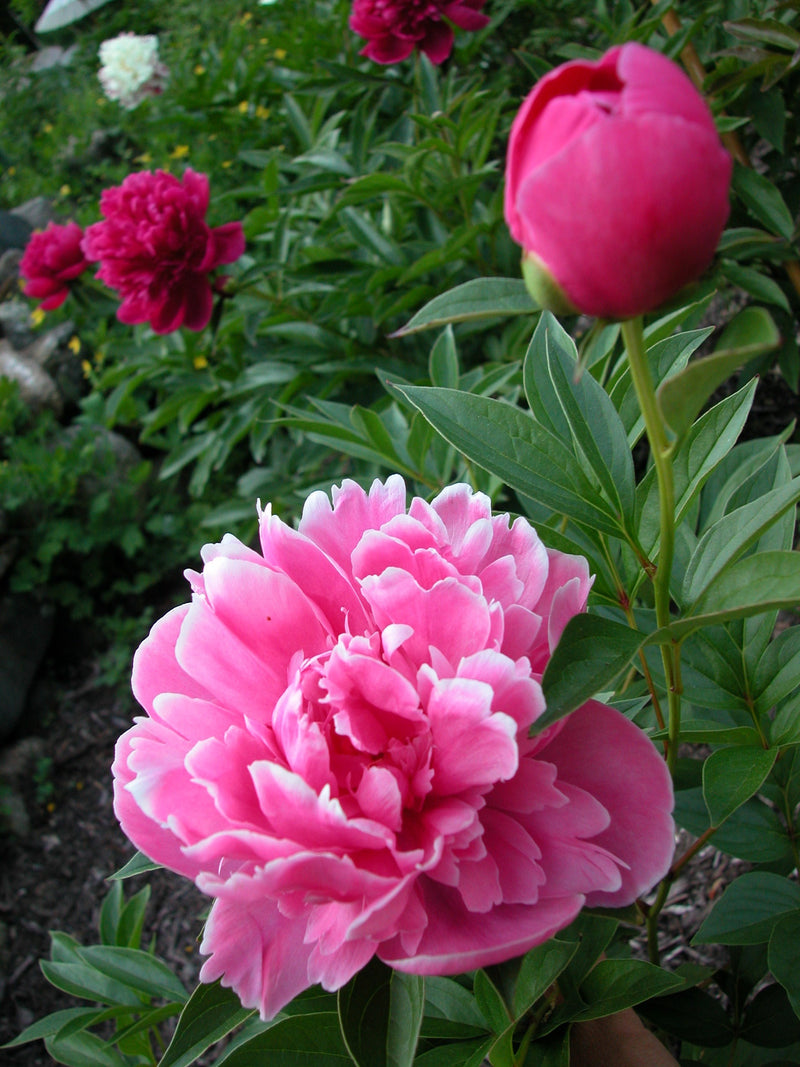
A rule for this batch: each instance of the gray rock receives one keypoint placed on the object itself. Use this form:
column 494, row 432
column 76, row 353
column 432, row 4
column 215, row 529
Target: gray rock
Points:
column 15, row 315
column 115, row 456
column 37, row 213
column 26, row 626
column 15, row 230
column 52, row 353
column 53, row 56
column 37, row 389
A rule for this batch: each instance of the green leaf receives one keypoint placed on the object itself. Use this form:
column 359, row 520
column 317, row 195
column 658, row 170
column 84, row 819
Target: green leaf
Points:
column 704, row 447
column 733, row 534
column 407, row 1003
column 137, row 864
column 690, row 1015
column 755, row 283
column 749, row 909
column 461, row 1054
column 447, row 999
column 51, row 1024
column 782, row 956
column 766, row 581
column 313, row 1040
column 138, row 970
column 731, row 776
column 575, row 408
column 764, row 200
column 477, row 299
column 769, row 1019
column 110, row 913
column 591, row 653
column 754, row 832
column 550, row 1051
column 491, row 1003
column 539, row 969
column 613, row 985
column 443, row 361
column 778, row 671
column 84, row 1050
column 82, row 980
column 380, row 1013
column 709, row 732
column 681, row 397
column 510, row 444
column 211, row 1012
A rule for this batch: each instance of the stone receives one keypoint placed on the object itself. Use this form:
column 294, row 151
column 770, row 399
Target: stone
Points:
column 15, row 317
column 36, row 388
column 36, row 212
column 26, row 625
column 15, row 230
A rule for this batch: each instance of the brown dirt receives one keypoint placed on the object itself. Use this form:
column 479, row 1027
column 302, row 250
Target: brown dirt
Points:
column 54, row 879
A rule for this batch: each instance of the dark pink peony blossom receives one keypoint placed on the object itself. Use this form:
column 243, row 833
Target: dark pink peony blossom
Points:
column 52, row 259
column 336, row 748
column 616, row 183
column 394, row 28
column 157, row 250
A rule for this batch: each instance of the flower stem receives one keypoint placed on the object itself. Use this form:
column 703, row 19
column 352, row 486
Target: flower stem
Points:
column 661, row 452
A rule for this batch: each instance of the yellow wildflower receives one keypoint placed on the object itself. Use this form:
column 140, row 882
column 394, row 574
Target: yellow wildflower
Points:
column 262, row 112
column 226, row 163
column 200, row 362
column 280, row 54
column 179, row 151
column 86, row 367
column 37, row 317
column 243, row 107
column 74, row 344
column 199, row 69
column 47, row 128
column 64, row 190
column 145, row 157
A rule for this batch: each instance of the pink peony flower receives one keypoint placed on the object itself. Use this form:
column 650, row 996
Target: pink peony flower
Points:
column 52, row 259
column 336, row 748
column 394, row 28
column 616, row 184
column 156, row 249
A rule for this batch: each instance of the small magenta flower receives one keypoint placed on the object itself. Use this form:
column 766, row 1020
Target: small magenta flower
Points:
column 53, row 258
column 616, row 184
column 337, row 748
column 157, row 250
column 394, row 28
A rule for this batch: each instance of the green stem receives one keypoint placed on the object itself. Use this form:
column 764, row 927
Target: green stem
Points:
column 661, row 452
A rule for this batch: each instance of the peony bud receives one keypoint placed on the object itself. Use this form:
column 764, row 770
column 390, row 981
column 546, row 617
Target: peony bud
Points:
column 616, row 184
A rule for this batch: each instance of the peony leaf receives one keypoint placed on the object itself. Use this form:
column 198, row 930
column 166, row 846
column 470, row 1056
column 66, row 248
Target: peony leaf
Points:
column 749, row 910
column 539, row 969
column 690, row 1015
column 592, row 653
column 764, row 201
column 137, row 864
column 725, row 541
column 84, row 1049
column 782, row 956
column 138, row 970
column 507, row 442
column 313, row 1040
column 461, row 1054
column 480, row 298
column 613, row 985
column 753, row 833
column 211, row 1012
column 50, row 1025
column 380, row 1013
column 575, row 408
column 681, row 397
column 769, row 1020
column 731, row 776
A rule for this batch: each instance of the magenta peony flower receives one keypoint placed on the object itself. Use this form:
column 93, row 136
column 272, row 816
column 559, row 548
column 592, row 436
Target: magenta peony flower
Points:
column 156, row 249
column 394, row 28
column 336, row 748
column 616, row 184
column 52, row 259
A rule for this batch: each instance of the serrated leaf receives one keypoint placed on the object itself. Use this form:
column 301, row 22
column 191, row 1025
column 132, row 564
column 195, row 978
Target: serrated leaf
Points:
column 477, row 299
column 731, row 776
column 211, row 1012
column 591, row 653
column 681, row 397
column 749, row 909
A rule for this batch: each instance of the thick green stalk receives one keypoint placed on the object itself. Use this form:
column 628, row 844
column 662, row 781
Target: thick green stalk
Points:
column 661, row 452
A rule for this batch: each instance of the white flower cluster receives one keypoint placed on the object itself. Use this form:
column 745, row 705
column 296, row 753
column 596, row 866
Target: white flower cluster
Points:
column 131, row 69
